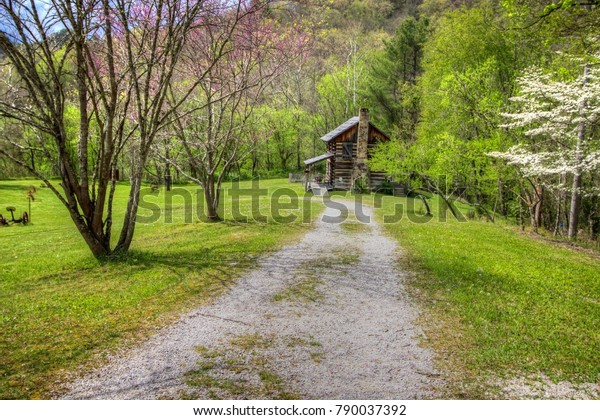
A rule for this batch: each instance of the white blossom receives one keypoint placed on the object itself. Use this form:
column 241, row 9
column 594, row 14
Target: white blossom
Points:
column 558, row 117
column 548, row 163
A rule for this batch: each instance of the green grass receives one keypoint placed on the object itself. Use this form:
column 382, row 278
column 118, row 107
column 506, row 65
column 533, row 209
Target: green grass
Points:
column 498, row 301
column 228, row 373
column 355, row 227
column 249, row 342
column 340, row 258
column 304, row 290
column 242, row 367
column 61, row 309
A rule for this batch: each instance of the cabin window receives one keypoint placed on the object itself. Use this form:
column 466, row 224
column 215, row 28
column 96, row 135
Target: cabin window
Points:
column 347, row 150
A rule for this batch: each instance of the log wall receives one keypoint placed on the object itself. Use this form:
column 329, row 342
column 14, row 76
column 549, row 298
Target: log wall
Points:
column 339, row 169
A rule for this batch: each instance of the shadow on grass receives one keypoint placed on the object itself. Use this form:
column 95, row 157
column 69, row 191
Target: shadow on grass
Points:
column 513, row 323
column 17, row 187
column 218, row 260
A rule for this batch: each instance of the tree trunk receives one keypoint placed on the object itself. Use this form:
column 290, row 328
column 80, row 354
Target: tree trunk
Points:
column 424, row 200
column 534, row 205
column 193, row 171
column 212, row 197
column 593, row 220
column 128, row 228
column 539, row 205
column 575, row 207
column 254, row 164
column 558, row 214
column 96, row 244
column 521, row 218
column 501, row 203
column 533, row 219
column 168, row 178
column 298, row 165
column 32, row 155
column 267, row 155
column 575, row 193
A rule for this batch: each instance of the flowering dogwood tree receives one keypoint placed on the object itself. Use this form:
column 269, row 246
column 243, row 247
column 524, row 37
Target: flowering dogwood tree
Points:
column 560, row 118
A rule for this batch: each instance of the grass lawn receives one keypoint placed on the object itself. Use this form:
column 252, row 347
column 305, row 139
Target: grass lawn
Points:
column 501, row 301
column 61, row 309
column 496, row 301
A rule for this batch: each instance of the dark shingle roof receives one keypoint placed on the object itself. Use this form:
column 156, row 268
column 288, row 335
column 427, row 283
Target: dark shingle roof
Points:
column 333, row 134
column 318, row 158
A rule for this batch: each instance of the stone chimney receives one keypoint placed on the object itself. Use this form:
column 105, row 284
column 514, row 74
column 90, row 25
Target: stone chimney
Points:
column 362, row 140
column 363, row 136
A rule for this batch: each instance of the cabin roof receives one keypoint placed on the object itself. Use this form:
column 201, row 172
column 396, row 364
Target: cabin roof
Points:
column 346, row 126
column 318, row 158
column 340, row 129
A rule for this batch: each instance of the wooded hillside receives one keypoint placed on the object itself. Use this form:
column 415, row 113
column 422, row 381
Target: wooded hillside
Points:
column 495, row 103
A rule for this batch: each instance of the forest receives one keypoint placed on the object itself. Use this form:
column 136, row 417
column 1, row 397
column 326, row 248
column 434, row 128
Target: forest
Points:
column 491, row 103
column 118, row 117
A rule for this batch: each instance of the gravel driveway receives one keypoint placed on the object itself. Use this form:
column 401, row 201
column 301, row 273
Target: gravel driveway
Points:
column 326, row 318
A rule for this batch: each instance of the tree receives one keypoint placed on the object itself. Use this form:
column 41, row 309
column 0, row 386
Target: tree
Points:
column 392, row 80
column 338, row 92
column 112, row 65
column 468, row 74
column 231, row 62
column 563, row 116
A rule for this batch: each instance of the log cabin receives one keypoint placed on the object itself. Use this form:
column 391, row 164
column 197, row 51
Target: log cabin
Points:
column 349, row 147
